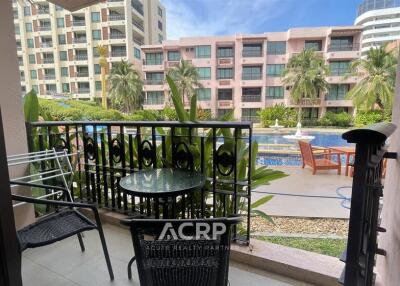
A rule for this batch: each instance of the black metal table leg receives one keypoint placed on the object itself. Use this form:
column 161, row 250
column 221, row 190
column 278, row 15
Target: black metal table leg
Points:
column 130, row 267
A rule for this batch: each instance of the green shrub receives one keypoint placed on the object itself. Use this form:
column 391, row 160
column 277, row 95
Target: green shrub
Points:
column 170, row 114
column 146, row 115
column 367, row 117
column 286, row 116
column 342, row 119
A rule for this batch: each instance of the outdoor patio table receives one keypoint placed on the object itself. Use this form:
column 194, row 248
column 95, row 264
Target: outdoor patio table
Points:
column 164, row 183
column 348, row 152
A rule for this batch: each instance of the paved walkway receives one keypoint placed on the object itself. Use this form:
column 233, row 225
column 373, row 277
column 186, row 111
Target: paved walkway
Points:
column 302, row 182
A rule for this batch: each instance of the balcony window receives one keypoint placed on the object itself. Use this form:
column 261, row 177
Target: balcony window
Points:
column 63, row 55
column 222, row 112
column 275, row 92
column 59, row 8
column 81, row 56
column 48, row 58
column 49, row 74
column 310, row 113
column 17, row 30
column 203, row 51
column 154, row 78
column 35, row 88
column 95, row 17
column 339, row 68
column 275, row 70
column 337, row 91
column 44, row 25
column 160, row 38
column 83, row 87
column 315, row 45
column 137, row 53
column 250, row 114
column 43, row 9
column 337, row 109
column 204, row 73
column 28, row 27
column 19, row 47
column 15, row 13
column 98, row 85
column 96, row 35
column 60, row 23
column 138, row 6
column 97, row 69
column 116, row 34
column 95, row 52
column 341, row 44
column 82, row 71
column 160, row 11
column 251, row 94
column 27, row 11
column 155, row 97
column 32, row 59
column 225, row 94
column 276, row 48
column 115, row 16
column 252, row 73
column 78, row 21
column 154, row 59
column 46, row 43
column 51, row 89
column 225, row 52
column 174, row 56
column 61, row 39
column 20, row 61
column 252, row 50
column 138, row 24
column 64, row 71
column 118, row 51
column 225, row 73
column 79, row 38
column 30, row 44
column 65, row 87
column 33, row 74
column 203, row 94
column 160, row 26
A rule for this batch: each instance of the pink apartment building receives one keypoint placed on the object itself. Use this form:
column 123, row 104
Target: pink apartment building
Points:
column 243, row 72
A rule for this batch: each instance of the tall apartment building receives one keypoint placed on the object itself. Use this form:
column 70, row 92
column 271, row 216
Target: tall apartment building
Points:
column 381, row 22
column 57, row 48
column 243, row 72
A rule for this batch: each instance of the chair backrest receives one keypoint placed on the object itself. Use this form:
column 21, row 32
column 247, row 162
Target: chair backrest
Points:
column 306, row 153
column 182, row 252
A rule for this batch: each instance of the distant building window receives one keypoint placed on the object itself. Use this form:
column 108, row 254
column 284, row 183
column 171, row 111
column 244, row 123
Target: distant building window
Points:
column 65, row 87
column 225, row 73
column 61, row 39
column 95, row 17
column 275, row 70
column 275, row 92
column 97, row 69
column 95, row 52
column 252, row 50
column 174, row 56
column 32, row 59
column 339, row 68
column 204, row 73
column 60, row 23
column 63, row 55
column 337, row 109
column 160, row 11
column 30, row 43
column 225, row 52
column 17, row 30
column 59, row 8
column 98, row 85
column 160, row 25
column 250, row 114
column 252, row 73
column 27, row 11
column 341, row 43
column 203, row 52
column 28, row 27
column 137, row 53
column 225, row 94
column 160, row 38
column 276, row 48
column 315, row 45
column 203, row 94
column 155, row 97
column 35, row 88
column 33, row 74
column 64, row 71
column 310, row 113
column 96, row 35
column 337, row 91
column 154, row 58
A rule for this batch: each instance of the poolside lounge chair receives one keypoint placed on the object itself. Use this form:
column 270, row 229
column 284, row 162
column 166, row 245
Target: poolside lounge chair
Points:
column 319, row 158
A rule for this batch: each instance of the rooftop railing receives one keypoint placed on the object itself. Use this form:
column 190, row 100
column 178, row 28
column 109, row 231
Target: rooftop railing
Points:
column 112, row 150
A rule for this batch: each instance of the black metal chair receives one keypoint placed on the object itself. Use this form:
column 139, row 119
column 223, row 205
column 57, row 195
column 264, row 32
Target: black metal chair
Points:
column 165, row 258
column 64, row 222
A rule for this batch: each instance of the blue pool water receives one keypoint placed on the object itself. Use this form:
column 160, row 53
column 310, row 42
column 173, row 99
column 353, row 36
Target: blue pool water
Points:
column 322, row 139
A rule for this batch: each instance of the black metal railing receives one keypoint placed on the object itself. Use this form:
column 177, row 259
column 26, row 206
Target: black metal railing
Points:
column 111, row 150
column 367, row 191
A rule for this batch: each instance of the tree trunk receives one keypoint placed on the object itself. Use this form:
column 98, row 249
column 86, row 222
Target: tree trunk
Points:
column 103, row 88
column 379, row 103
column 299, row 114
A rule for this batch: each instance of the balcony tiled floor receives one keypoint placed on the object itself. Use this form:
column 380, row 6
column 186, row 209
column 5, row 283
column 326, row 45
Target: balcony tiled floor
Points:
column 63, row 264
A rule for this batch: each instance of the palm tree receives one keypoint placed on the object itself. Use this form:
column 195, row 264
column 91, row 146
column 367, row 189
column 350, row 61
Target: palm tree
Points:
column 186, row 78
column 103, row 52
column 126, row 86
column 377, row 72
column 306, row 73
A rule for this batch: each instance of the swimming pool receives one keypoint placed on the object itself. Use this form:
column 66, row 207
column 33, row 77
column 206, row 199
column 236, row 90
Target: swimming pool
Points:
column 275, row 150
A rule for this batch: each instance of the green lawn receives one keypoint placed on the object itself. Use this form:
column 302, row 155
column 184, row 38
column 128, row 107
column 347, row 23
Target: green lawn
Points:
column 326, row 246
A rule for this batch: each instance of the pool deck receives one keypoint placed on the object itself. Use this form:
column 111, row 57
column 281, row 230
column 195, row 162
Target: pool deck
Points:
column 257, row 129
column 303, row 182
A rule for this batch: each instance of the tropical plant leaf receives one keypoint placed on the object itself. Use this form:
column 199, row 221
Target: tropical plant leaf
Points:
column 31, row 107
column 193, row 107
column 263, row 215
column 177, row 100
column 261, row 201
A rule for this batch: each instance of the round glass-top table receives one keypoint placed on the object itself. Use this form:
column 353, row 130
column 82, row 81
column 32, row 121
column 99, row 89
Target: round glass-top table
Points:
column 164, row 182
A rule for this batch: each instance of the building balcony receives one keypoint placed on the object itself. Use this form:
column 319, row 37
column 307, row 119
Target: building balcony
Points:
column 154, row 102
column 78, row 23
column 43, row 11
column 225, row 104
column 137, row 6
column 48, row 61
column 117, row 36
column 46, row 44
column 344, row 48
column 44, row 28
column 82, row 74
column 118, row 53
column 81, row 40
column 154, row 81
column 225, row 62
column 225, row 82
column 251, row 54
column 19, row 48
column 251, row 98
column 116, row 17
column 51, row 92
column 170, row 64
column 332, row 102
column 138, row 41
column 138, row 25
column 306, row 102
column 83, row 90
column 81, row 57
column 251, row 76
column 49, row 76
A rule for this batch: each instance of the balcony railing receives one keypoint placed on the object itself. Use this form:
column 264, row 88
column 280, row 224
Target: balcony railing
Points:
column 254, row 76
column 152, row 62
column 81, row 40
column 51, row 92
column 49, row 76
column 19, row 48
column 82, row 90
column 154, row 101
column 78, row 23
column 138, row 25
column 117, row 36
column 46, row 44
column 251, row 98
column 116, row 17
column 154, row 81
column 109, row 152
column 20, row 63
column 81, row 57
column 115, row 0
column 253, row 118
column 82, row 74
column 118, row 53
column 138, row 6
column 307, row 102
column 44, row 28
column 42, row 11
column 251, row 54
column 48, row 60
column 344, row 48
column 138, row 41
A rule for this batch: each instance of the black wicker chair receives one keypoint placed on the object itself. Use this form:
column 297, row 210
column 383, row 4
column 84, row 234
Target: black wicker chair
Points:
column 166, row 260
column 64, row 222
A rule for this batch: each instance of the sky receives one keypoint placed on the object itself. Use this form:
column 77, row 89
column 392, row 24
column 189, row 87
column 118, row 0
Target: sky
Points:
column 186, row 18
